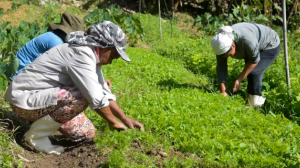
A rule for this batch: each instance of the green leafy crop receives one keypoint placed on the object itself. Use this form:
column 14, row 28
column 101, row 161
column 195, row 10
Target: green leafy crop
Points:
column 129, row 23
column 179, row 113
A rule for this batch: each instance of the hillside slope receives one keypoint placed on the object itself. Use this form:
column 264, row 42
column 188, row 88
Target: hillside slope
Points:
column 180, row 115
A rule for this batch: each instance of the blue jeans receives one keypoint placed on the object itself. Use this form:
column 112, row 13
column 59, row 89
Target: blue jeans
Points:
column 267, row 57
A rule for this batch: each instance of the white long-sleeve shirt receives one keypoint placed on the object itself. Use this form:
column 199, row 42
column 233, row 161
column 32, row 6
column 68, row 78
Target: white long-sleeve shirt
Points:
column 38, row 84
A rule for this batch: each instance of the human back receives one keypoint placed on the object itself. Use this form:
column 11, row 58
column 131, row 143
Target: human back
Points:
column 35, row 48
column 48, row 72
column 54, row 91
column 266, row 37
column 55, row 36
column 257, row 44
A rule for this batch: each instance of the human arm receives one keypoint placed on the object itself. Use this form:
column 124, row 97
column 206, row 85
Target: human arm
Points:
column 222, row 74
column 223, row 89
column 105, row 84
column 129, row 122
column 252, row 57
column 81, row 68
column 108, row 82
column 247, row 69
column 114, row 107
column 85, row 79
column 113, row 123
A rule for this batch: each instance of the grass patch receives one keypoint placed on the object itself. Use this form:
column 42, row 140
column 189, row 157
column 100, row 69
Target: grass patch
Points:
column 33, row 13
column 179, row 115
column 185, row 117
column 8, row 147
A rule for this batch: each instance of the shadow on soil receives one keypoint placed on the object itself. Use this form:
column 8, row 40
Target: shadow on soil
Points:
column 171, row 84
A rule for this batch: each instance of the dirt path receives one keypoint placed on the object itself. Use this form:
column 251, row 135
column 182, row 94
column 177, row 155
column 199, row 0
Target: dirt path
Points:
column 76, row 155
column 87, row 155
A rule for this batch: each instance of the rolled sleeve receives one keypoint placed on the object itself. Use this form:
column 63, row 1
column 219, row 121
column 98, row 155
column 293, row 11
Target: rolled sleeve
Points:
column 82, row 70
column 222, row 69
column 106, row 91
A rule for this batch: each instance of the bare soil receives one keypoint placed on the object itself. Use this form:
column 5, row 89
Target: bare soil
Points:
column 76, row 155
column 81, row 154
column 87, row 155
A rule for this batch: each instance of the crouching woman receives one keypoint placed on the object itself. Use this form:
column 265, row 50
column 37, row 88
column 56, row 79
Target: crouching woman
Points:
column 55, row 89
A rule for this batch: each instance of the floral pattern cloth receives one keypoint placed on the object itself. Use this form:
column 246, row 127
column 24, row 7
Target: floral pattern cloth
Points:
column 68, row 111
column 105, row 34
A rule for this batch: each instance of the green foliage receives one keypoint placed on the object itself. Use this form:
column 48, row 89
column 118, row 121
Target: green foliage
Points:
column 130, row 24
column 7, row 148
column 181, row 49
column 11, row 39
column 282, row 99
column 182, row 111
column 179, row 115
column 150, row 24
column 240, row 13
column 14, row 38
column 294, row 22
column 210, row 23
column 15, row 6
column 197, row 56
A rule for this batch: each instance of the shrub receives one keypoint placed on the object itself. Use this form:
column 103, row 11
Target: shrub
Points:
column 130, row 24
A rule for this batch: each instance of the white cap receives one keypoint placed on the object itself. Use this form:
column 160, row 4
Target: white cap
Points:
column 222, row 41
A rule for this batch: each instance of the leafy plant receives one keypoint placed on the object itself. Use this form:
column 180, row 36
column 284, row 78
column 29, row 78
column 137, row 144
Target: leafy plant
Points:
column 211, row 24
column 240, row 13
column 151, row 29
column 8, row 147
column 11, row 40
column 171, row 88
column 130, row 24
column 179, row 115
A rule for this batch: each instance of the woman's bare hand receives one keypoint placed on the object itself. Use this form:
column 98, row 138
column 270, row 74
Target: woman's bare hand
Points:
column 131, row 123
column 109, row 84
column 117, row 126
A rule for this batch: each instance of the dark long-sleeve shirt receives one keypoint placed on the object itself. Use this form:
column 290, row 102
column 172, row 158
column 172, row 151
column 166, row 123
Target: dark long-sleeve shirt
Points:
column 252, row 38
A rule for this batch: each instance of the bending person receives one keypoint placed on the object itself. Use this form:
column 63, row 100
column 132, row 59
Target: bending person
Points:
column 257, row 44
column 59, row 85
column 55, row 36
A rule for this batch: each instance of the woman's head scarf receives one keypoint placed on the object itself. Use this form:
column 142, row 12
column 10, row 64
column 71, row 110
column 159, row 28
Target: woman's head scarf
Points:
column 105, row 34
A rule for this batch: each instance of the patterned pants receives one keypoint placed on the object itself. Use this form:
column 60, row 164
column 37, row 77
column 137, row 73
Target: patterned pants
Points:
column 68, row 111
